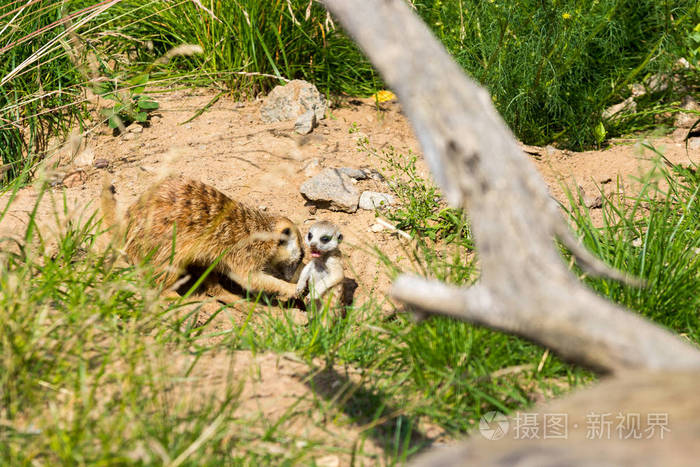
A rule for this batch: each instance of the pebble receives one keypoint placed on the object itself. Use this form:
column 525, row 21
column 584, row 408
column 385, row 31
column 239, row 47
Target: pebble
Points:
column 101, row 163
column 371, row 200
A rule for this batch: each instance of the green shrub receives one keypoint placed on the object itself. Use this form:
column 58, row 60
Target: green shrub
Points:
column 246, row 44
column 553, row 67
column 39, row 99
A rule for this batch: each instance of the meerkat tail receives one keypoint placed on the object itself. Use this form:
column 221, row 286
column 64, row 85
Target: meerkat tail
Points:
column 108, row 204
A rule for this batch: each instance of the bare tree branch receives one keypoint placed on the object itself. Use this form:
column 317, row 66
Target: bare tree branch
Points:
column 525, row 287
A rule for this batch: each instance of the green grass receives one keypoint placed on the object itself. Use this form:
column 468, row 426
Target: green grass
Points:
column 655, row 236
column 89, row 351
column 552, row 69
column 87, row 346
column 246, row 44
column 40, row 100
column 97, row 370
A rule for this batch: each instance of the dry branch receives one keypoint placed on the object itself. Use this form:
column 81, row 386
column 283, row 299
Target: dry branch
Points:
column 525, row 287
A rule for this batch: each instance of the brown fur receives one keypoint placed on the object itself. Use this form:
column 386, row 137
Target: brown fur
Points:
column 256, row 249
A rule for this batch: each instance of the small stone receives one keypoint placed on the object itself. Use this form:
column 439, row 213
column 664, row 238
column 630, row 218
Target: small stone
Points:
column 627, row 106
column 305, row 123
column 637, row 90
column 357, row 174
column 374, row 174
column 312, row 167
column 134, row 128
column 85, row 158
column 694, row 142
column 290, row 101
column 685, row 119
column 327, row 461
column 592, row 202
column 683, row 63
column 130, row 136
column 637, row 242
column 376, row 228
column 371, row 200
column 262, row 207
column 333, row 188
column 657, row 83
column 101, row 163
column 155, row 119
column 550, row 150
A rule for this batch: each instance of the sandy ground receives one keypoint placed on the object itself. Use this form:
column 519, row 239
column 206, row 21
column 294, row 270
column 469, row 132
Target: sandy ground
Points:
column 263, row 165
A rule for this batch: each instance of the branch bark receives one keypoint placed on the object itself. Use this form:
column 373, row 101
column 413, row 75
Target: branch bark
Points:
column 525, row 287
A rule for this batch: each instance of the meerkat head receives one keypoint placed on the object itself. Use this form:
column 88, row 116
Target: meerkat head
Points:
column 323, row 237
column 289, row 251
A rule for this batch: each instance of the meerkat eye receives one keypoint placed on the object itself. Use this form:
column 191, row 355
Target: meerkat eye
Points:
column 284, row 236
column 340, row 238
column 310, row 236
column 325, row 239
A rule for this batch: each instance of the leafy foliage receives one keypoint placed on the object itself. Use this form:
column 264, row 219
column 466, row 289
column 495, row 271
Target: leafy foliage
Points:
column 553, row 67
column 129, row 105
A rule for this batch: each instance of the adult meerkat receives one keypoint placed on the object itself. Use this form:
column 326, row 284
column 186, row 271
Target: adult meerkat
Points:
column 325, row 270
column 258, row 251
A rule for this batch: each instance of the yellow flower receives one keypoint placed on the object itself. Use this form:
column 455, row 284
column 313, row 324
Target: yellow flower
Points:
column 566, row 15
column 383, row 96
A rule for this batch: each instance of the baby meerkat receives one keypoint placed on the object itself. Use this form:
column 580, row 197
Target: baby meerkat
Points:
column 258, row 251
column 325, row 270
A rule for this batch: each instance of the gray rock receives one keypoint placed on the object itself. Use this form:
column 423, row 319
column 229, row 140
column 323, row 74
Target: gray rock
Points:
column 357, row 174
column 550, row 150
column 305, row 123
column 618, row 110
column 683, row 63
column 134, row 128
column 593, row 202
column 312, row 167
column 371, row 200
column 694, row 142
column 332, row 189
column 687, row 120
column 637, row 90
column 101, row 163
column 375, row 175
column 290, row 101
column 658, row 82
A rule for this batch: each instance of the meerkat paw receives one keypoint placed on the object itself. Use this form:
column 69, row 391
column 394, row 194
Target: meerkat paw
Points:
column 288, row 292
